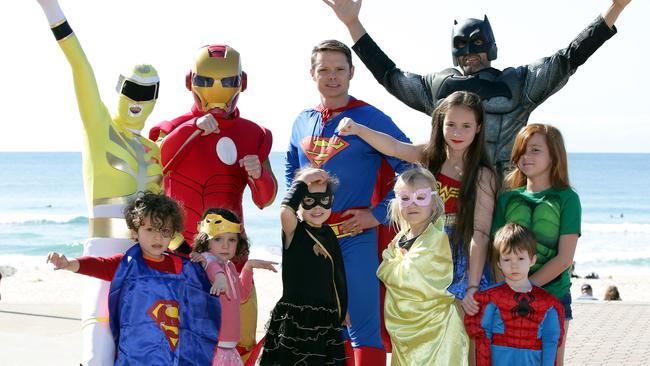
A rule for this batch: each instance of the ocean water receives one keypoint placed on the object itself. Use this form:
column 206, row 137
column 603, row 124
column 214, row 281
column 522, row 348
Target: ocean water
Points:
column 42, row 209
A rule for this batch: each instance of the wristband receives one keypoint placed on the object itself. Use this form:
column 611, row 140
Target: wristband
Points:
column 61, row 30
column 295, row 194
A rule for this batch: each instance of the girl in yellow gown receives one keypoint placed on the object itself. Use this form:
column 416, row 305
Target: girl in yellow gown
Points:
column 424, row 325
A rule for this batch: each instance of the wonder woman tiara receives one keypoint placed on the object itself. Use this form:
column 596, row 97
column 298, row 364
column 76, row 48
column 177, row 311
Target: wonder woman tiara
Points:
column 214, row 224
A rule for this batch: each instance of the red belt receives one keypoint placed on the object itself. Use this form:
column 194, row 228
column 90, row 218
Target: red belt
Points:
column 336, row 219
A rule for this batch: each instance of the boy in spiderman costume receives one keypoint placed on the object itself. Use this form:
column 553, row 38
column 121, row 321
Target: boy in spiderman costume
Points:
column 518, row 323
column 210, row 154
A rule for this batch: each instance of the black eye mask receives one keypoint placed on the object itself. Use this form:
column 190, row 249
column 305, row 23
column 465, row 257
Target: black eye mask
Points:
column 322, row 199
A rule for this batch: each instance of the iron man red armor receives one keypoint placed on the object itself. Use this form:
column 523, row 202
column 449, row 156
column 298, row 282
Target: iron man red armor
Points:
column 205, row 170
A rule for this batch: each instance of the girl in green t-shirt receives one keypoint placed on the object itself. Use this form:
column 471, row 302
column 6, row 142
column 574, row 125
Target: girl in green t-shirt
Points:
column 542, row 200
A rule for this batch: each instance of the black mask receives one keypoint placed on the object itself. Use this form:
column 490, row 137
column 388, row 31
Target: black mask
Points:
column 322, row 199
column 472, row 36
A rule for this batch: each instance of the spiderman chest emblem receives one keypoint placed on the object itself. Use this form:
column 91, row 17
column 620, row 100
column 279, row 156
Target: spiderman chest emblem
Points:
column 523, row 307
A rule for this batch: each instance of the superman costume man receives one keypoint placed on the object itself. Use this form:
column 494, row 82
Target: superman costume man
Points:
column 314, row 142
column 211, row 154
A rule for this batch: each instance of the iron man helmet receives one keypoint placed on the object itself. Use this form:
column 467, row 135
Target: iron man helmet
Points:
column 216, row 78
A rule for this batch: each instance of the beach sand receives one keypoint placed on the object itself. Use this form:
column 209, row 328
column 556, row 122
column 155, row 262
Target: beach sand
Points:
column 39, row 318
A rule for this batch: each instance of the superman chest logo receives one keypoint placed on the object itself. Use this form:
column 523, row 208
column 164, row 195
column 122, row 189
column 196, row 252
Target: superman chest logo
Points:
column 319, row 150
column 166, row 315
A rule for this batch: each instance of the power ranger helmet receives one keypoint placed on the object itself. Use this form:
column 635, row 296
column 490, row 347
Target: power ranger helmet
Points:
column 473, row 36
column 216, row 78
column 138, row 89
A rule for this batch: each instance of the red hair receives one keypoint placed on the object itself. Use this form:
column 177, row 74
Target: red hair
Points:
column 559, row 173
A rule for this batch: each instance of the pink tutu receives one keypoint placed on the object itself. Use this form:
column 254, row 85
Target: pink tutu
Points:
column 227, row 357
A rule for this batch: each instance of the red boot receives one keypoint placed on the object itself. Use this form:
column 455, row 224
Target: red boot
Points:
column 349, row 353
column 369, row 356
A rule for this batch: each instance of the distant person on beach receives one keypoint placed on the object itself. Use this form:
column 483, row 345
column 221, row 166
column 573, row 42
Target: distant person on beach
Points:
column 117, row 163
column 541, row 199
column 509, row 95
column 573, row 273
column 611, row 294
column 151, row 319
column 519, row 323
column 307, row 322
column 218, row 241
column 417, row 269
column 586, row 293
column 314, row 142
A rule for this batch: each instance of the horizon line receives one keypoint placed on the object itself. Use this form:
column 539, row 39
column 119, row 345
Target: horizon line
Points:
column 281, row 151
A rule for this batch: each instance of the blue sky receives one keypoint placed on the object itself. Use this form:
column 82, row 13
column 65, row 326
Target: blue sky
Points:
column 602, row 109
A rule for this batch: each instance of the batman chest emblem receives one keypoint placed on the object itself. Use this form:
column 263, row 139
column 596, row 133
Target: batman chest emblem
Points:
column 486, row 89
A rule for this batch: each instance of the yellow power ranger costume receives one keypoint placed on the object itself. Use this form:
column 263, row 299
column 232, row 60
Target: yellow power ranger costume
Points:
column 117, row 163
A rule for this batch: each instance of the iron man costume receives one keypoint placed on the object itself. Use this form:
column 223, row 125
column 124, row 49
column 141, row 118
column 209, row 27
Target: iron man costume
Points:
column 117, row 163
column 204, row 172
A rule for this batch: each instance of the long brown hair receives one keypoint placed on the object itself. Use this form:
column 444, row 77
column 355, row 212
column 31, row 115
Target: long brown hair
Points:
column 559, row 174
column 476, row 158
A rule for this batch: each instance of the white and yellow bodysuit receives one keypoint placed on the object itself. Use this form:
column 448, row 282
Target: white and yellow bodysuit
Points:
column 419, row 313
column 117, row 163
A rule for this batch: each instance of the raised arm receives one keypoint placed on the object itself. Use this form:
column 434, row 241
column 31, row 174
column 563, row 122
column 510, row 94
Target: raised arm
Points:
column 293, row 198
column 412, row 89
column 348, row 12
column 382, row 142
column 547, row 75
column 613, row 11
column 94, row 114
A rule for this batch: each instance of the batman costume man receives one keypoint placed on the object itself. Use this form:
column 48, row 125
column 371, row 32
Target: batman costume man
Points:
column 509, row 95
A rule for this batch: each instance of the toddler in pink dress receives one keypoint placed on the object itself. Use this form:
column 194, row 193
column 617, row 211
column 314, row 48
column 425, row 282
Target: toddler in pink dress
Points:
column 219, row 240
